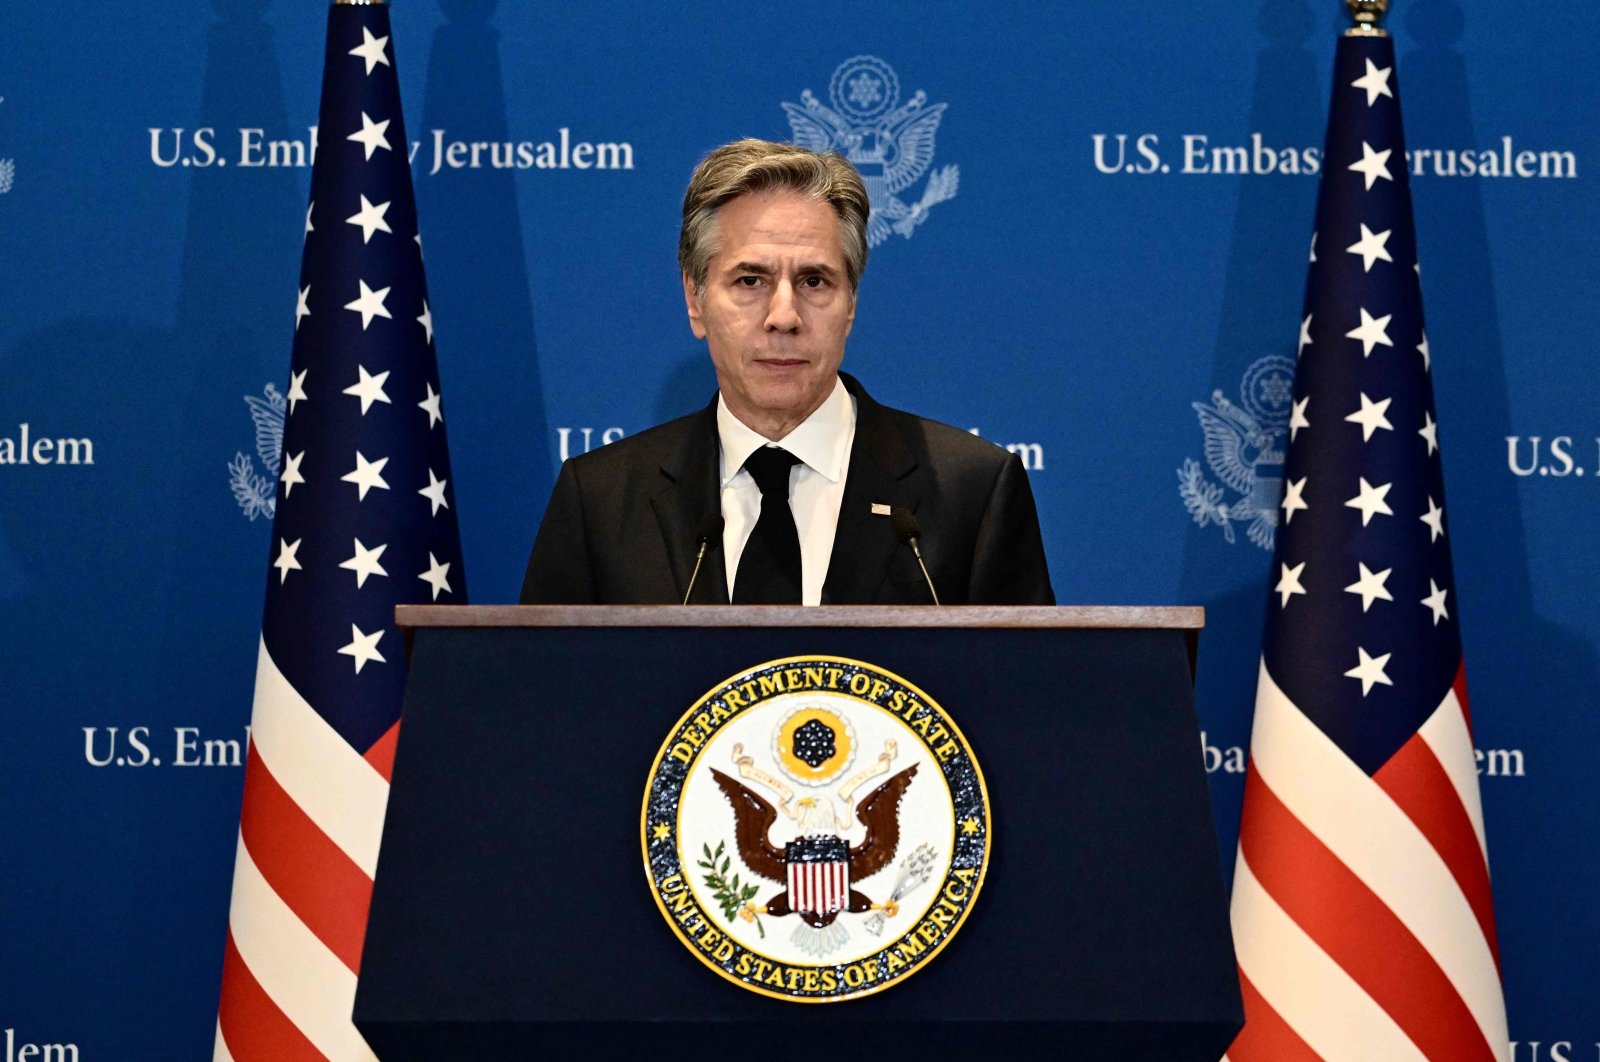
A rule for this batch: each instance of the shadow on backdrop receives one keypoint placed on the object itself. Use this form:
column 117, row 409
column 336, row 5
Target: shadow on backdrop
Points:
column 109, row 568
column 479, row 294
column 1509, row 647
column 1263, row 287
column 233, row 337
column 143, row 588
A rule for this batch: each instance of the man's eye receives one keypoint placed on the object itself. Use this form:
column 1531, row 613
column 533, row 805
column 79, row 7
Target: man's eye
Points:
column 813, row 282
column 748, row 281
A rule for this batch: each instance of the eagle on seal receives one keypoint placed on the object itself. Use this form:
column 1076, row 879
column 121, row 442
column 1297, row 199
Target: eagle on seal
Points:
column 817, row 869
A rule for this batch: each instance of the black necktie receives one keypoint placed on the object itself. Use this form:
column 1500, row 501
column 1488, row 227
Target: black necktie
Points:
column 769, row 567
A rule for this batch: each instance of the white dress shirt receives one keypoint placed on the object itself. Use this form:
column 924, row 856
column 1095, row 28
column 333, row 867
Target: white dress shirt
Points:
column 816, row 484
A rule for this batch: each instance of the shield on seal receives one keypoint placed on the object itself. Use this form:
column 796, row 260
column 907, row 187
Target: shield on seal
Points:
column 819, row 875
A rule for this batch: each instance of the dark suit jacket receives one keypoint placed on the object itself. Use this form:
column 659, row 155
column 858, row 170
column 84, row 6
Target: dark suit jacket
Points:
column 620, row 528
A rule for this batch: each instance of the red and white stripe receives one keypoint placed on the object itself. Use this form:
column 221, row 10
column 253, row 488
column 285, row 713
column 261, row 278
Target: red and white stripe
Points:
column 1361, row 905
column 302, row 882
column 818, row 887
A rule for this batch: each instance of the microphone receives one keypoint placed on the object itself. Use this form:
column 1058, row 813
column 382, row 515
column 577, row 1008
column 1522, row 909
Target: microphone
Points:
column 907, row 531
column 706, row 534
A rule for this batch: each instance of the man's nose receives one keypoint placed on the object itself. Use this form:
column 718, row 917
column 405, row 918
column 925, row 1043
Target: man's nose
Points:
column 783, row 315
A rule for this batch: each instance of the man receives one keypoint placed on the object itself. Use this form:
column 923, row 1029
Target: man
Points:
column 800, row 464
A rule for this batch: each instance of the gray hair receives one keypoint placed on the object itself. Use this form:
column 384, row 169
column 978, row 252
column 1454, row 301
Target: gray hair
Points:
column 749, row 166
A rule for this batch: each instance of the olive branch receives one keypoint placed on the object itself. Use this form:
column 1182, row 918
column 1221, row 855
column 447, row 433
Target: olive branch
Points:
column 731, row 896
column 1203, row 498
column 255, row 494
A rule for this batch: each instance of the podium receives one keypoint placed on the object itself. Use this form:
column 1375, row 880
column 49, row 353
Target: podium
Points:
column 512, row 915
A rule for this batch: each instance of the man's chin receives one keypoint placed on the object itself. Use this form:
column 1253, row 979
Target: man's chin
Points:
column 787, row 396
column 787, row 405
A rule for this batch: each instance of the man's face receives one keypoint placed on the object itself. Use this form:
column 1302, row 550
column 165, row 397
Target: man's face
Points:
column 776, row 308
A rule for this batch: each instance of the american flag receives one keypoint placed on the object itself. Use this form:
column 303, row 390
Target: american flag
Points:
column 1361, row 902
column 365, row 520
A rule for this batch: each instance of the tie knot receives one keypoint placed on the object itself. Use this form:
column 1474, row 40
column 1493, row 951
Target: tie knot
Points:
column 769, row 467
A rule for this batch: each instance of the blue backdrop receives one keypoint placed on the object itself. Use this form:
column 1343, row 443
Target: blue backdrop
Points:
column 154, row 168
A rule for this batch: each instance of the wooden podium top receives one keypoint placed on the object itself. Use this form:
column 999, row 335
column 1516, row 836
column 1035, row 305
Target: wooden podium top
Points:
column 1105, row 617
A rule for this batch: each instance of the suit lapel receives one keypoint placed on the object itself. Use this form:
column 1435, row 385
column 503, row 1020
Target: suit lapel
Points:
column 691, row 493
column 864, row 543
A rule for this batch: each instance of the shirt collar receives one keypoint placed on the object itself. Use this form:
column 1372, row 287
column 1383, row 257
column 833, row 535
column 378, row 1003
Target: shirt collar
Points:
column 821, row 441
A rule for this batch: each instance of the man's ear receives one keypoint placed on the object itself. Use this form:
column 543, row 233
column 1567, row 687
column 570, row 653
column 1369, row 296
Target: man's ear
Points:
column 691, row 302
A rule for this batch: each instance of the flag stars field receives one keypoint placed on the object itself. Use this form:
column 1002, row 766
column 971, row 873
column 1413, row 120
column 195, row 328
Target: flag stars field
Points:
column 363, row 648
column 1429, row 432
column 297, row 388
column 291, row 472
column 1372, row 331
column 368, row 389
column 1375, row 82
column 367, row 475
column 1297, row 417
column 1369, row 500
column 1289, row 583
column 1434, row 518
column 364, row 562
column 1373, row 165
column 372, row 135
column 425, row 319
column 430, row 405
column 286, row 561
column 1435, row 602
column 371, row 50
column 370, row 219
column 1372, row 247
column 436, row 576
column 1371, row 417
column 434, row 492
column 1293, row 501
column 1370, row 586
column 369, row 304
column 1370, row 670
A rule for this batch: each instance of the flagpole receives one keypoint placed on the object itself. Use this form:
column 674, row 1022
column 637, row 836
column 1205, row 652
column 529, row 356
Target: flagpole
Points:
column 1366, row 14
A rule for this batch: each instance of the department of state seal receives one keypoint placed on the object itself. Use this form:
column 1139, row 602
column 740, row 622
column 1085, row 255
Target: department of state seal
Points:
column 815, row 829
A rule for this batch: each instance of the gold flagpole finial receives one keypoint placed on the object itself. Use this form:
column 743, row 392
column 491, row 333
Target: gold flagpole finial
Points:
column 1366, row 14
